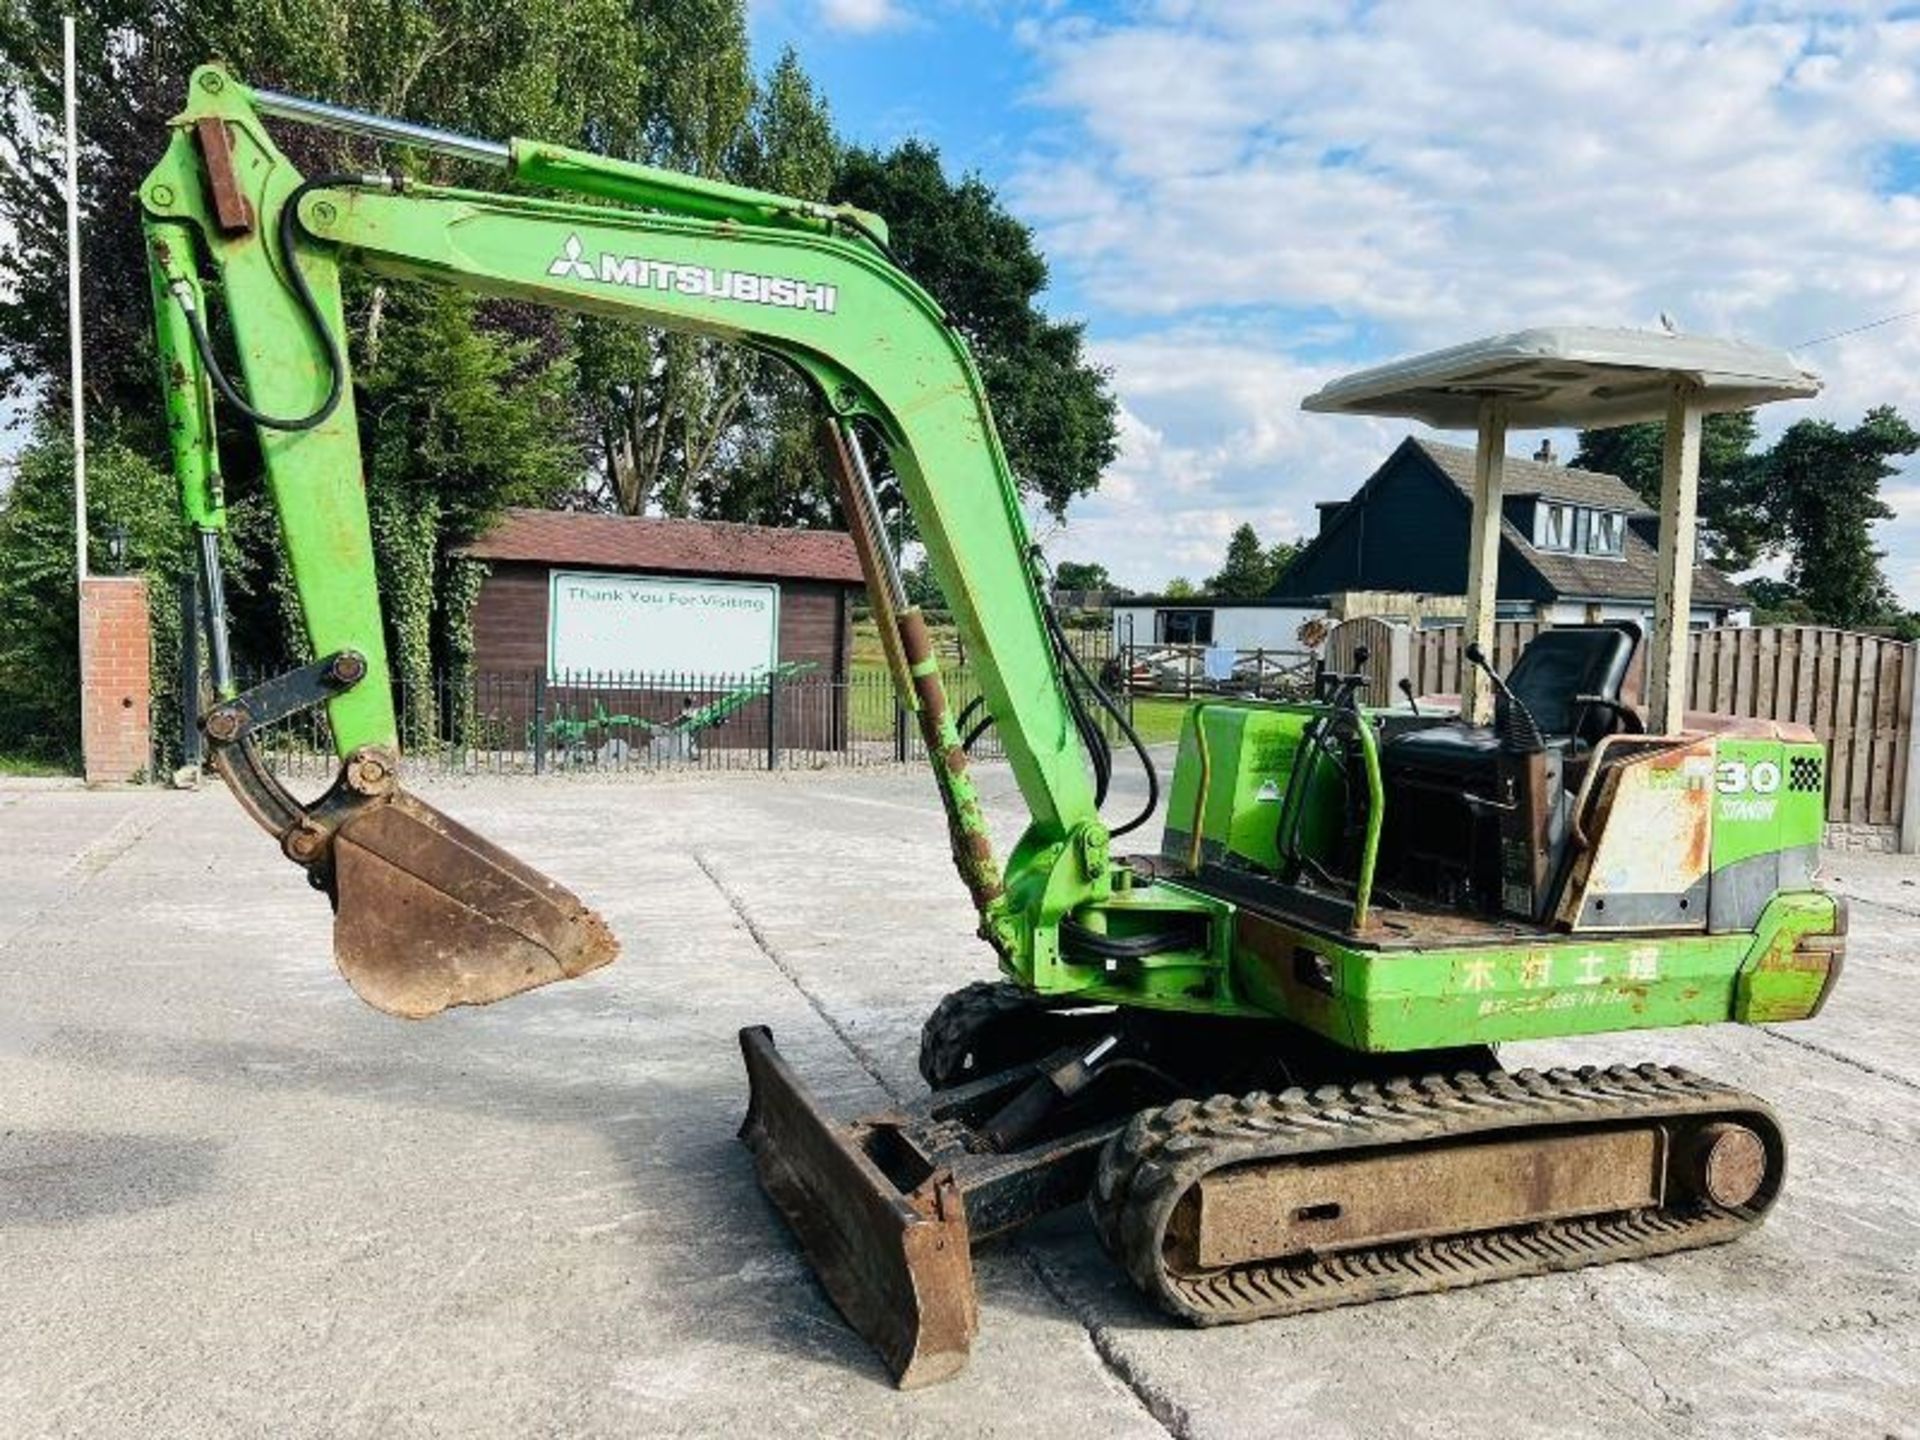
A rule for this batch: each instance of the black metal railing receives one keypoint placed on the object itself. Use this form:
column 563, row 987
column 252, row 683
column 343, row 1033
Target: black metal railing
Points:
column 533, row 723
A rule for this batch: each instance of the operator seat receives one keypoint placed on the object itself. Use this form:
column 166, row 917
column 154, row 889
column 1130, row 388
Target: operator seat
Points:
column 1442, row 833
column 1556, row 669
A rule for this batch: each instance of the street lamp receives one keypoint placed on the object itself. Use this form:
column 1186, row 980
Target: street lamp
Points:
column 117, row 546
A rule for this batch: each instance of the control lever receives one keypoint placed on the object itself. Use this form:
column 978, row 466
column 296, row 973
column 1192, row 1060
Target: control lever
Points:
column 1333, row 688
column 1405, row 687
column 1519, row 731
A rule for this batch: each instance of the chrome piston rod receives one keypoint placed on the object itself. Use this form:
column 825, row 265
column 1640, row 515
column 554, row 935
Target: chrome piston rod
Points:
column 381, row 127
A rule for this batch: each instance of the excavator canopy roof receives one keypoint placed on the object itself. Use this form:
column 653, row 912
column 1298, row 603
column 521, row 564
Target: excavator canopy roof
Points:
column 1568, row 375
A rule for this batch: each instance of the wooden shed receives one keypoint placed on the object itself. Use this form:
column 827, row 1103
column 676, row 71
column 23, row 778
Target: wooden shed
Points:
column 645, row 615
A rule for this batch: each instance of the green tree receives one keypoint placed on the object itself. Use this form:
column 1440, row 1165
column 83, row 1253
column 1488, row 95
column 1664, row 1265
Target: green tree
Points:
column 467, row 406
column 538, row 67
column 464, row 426
column 1280, row 555
column 1251, row 570
column 1053, row 407
column 1775, row 602
column 1180, row 588
column 471, row 405
column 662, row 403
column 39, row 623
column 1245, row 574
column 1083, row 575
column 923, row 586
column 772, row 471
column 1825, row 484
column 1737, row 525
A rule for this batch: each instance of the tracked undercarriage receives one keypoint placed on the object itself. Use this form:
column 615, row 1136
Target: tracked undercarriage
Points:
column 1227, row 1207
column 1248, row 1207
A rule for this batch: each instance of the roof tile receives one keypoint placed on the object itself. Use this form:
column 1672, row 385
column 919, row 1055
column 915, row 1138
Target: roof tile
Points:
column 1530, row 477
column 684, row 547
column 1630, row 577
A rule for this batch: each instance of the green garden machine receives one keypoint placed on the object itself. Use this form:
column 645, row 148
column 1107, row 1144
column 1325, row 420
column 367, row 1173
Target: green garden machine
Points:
column 1263, row 1055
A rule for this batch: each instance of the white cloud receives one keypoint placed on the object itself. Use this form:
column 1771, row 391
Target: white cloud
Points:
column 1422, row 174
column 1211, row 435
column 861, row 16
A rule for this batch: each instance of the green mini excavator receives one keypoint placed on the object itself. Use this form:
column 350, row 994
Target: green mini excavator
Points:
column 1263, row 1055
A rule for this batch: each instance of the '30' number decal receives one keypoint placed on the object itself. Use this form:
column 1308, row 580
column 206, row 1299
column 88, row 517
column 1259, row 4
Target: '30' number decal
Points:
column 1732, row 777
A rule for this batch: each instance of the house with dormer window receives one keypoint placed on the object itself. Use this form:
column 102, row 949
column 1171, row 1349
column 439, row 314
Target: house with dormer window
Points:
column 1576, row 546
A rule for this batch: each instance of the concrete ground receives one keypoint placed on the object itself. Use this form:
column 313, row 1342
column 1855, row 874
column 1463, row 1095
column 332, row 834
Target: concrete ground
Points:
column 234, row 1200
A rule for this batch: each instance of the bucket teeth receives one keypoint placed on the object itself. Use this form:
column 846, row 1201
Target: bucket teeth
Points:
column 430, row 915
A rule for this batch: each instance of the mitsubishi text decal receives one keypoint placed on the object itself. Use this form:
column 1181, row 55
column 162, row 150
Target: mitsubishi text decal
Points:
column 638, row 273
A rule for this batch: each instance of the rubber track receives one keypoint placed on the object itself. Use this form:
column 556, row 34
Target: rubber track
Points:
column 950, row 1031
column 1146, row 1168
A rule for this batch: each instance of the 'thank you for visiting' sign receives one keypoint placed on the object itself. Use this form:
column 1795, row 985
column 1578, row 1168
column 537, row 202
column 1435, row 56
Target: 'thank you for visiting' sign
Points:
column 643, row 625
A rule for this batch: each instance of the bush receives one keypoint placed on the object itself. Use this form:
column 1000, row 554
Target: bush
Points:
column 39, row 623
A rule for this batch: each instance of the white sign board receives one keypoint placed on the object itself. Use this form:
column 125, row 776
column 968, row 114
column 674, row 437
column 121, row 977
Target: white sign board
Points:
column 643, row 625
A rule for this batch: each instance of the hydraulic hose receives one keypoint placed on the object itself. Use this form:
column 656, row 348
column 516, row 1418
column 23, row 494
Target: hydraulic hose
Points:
column 968, row 737
column 1099, row 752
column 288, row 221
column 1107, row 703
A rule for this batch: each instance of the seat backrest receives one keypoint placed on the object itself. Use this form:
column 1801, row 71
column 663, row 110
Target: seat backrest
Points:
column 1571, row 660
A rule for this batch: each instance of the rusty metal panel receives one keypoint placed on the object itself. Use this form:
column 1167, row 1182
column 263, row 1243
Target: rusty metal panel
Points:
column 1651, row 844
column 898, row 1265
column 1266, row 1212
column 231, row 208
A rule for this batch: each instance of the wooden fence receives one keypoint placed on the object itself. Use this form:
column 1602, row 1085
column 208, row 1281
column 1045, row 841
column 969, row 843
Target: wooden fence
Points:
column 1855, row 691
column 1388, row 648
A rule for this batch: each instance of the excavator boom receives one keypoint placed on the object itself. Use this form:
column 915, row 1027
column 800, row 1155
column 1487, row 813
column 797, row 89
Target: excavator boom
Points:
column 429, row 914
column 813, row 284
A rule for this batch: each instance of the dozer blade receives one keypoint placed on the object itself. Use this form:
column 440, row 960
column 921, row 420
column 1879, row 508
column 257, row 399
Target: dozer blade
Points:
column 895, row 1261
column 428, row 914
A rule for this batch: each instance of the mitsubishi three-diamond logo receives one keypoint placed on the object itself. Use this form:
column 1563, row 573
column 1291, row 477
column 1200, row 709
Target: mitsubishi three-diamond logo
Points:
column 636, row 272
column 570, row 265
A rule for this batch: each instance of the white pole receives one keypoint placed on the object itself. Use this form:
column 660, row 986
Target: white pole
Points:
column 1483, row 556
column 1673, row 578
column 73, row 377
column 73, row 315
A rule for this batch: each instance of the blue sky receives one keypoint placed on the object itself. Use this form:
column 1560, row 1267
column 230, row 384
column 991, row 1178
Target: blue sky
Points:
column 1244, row 199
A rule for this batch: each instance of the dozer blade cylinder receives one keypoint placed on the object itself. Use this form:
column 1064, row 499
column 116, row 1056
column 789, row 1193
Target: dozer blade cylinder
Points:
column 427, row 914
column 895, row 1261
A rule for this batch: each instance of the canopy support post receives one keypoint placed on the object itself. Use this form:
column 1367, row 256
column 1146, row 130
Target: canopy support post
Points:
column 1673, row 586
column 1483, row 555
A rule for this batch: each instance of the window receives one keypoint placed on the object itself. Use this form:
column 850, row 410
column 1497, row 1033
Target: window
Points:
column 1552, row 526
column 1574, row 529
column 1183, row 627
column 1607, row 533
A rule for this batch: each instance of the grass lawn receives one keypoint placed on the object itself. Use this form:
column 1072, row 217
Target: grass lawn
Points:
column 24, row 765
column 870, row 701
column 1158, row 717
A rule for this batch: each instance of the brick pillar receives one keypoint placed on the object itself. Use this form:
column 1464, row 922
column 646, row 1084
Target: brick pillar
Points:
column 116, row 724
